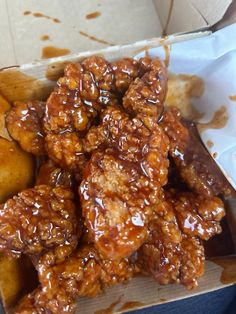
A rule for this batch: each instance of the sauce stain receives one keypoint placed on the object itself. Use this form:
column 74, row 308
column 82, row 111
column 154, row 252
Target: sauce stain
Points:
column 51, row 52
column 39, row 14
column 101, row 41
column 15, row 85
column 210, row 144
column 108, row 310
column 93, row 15
column 232, row 97
column 228, row 274
column 143, row 49
column 27, row 13
column 131, row 305
column 164, row 32
column 218, row 121
column 162, row 300
column 44, row 37
column 214, row 155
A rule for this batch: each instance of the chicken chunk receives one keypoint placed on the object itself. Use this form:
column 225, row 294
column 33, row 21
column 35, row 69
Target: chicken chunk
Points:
column 194, row 164
column 145, row 96
column 51, row 174
column 38, row 220
column 122, row 183
column 83, row 274
column 25, row 125
column 173, row 251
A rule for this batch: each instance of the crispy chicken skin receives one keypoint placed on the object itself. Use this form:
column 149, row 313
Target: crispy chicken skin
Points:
column 122, row 182
column 38, row 220
column 25, row 125
column 173, row 251
column 83, row 274
column 194, row 164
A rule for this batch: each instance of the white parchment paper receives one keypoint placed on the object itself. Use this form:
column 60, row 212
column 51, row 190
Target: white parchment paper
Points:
column 213, row 58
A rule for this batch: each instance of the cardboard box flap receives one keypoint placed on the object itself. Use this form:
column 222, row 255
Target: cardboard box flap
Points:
column 189, row 15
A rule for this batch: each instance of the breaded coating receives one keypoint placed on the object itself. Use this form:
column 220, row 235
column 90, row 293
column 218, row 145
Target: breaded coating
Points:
column 121, row 184
column 173, row 251
column 125, row 71
column 50, row 174
column 194, row 164
column 84, row 91
column 38, row 220
column 83, row 274
column 145, row 96
column 25, row 125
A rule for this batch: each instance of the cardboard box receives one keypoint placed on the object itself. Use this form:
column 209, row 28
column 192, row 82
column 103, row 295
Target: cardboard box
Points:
column 124, row 23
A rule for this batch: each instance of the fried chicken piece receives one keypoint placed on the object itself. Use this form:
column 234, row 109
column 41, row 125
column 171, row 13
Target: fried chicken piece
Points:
column 145, row 96
column 197, row 215
column 51, row 174
column 194, row 164
column 125, row 71
column 173, row 251
column 24, row 123
column 83, row 274
column 121, row 184
column 82, row 93
column 38, row 220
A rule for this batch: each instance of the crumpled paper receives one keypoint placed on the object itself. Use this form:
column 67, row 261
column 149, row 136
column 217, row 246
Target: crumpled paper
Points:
column 213, row 58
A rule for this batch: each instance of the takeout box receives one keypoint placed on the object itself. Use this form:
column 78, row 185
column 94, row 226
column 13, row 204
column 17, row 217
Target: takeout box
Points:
column 130, row 24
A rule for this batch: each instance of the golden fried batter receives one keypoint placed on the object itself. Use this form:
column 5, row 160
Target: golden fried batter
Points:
column 121, row 185
column 83, row 274
column 38, row 220
column 173, row 251
column 25, row 125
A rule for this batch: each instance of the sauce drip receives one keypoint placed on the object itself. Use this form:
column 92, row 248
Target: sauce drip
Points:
column 51, row 52
column 131, row 305
column 93, row 15
column 91, row 37
column 218, row 121
column 228, row 274
column 166, row 50
column 210, row 144
column 55, row 71
column 164, row 32
column 110, row 308
column 44, row 37
column 39, row 14
column 15, row 85
column 232, row 97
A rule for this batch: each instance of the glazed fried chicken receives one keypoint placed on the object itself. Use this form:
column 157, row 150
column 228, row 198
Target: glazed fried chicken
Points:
column 51, row 174
column 173, row 251
column 122, row 183
column 82, row 274
column 89, row 87
column 194, row 164
column 25, row 125
column 38, row 220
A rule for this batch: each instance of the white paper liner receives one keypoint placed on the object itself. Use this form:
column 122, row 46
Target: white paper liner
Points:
column 213, row 58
